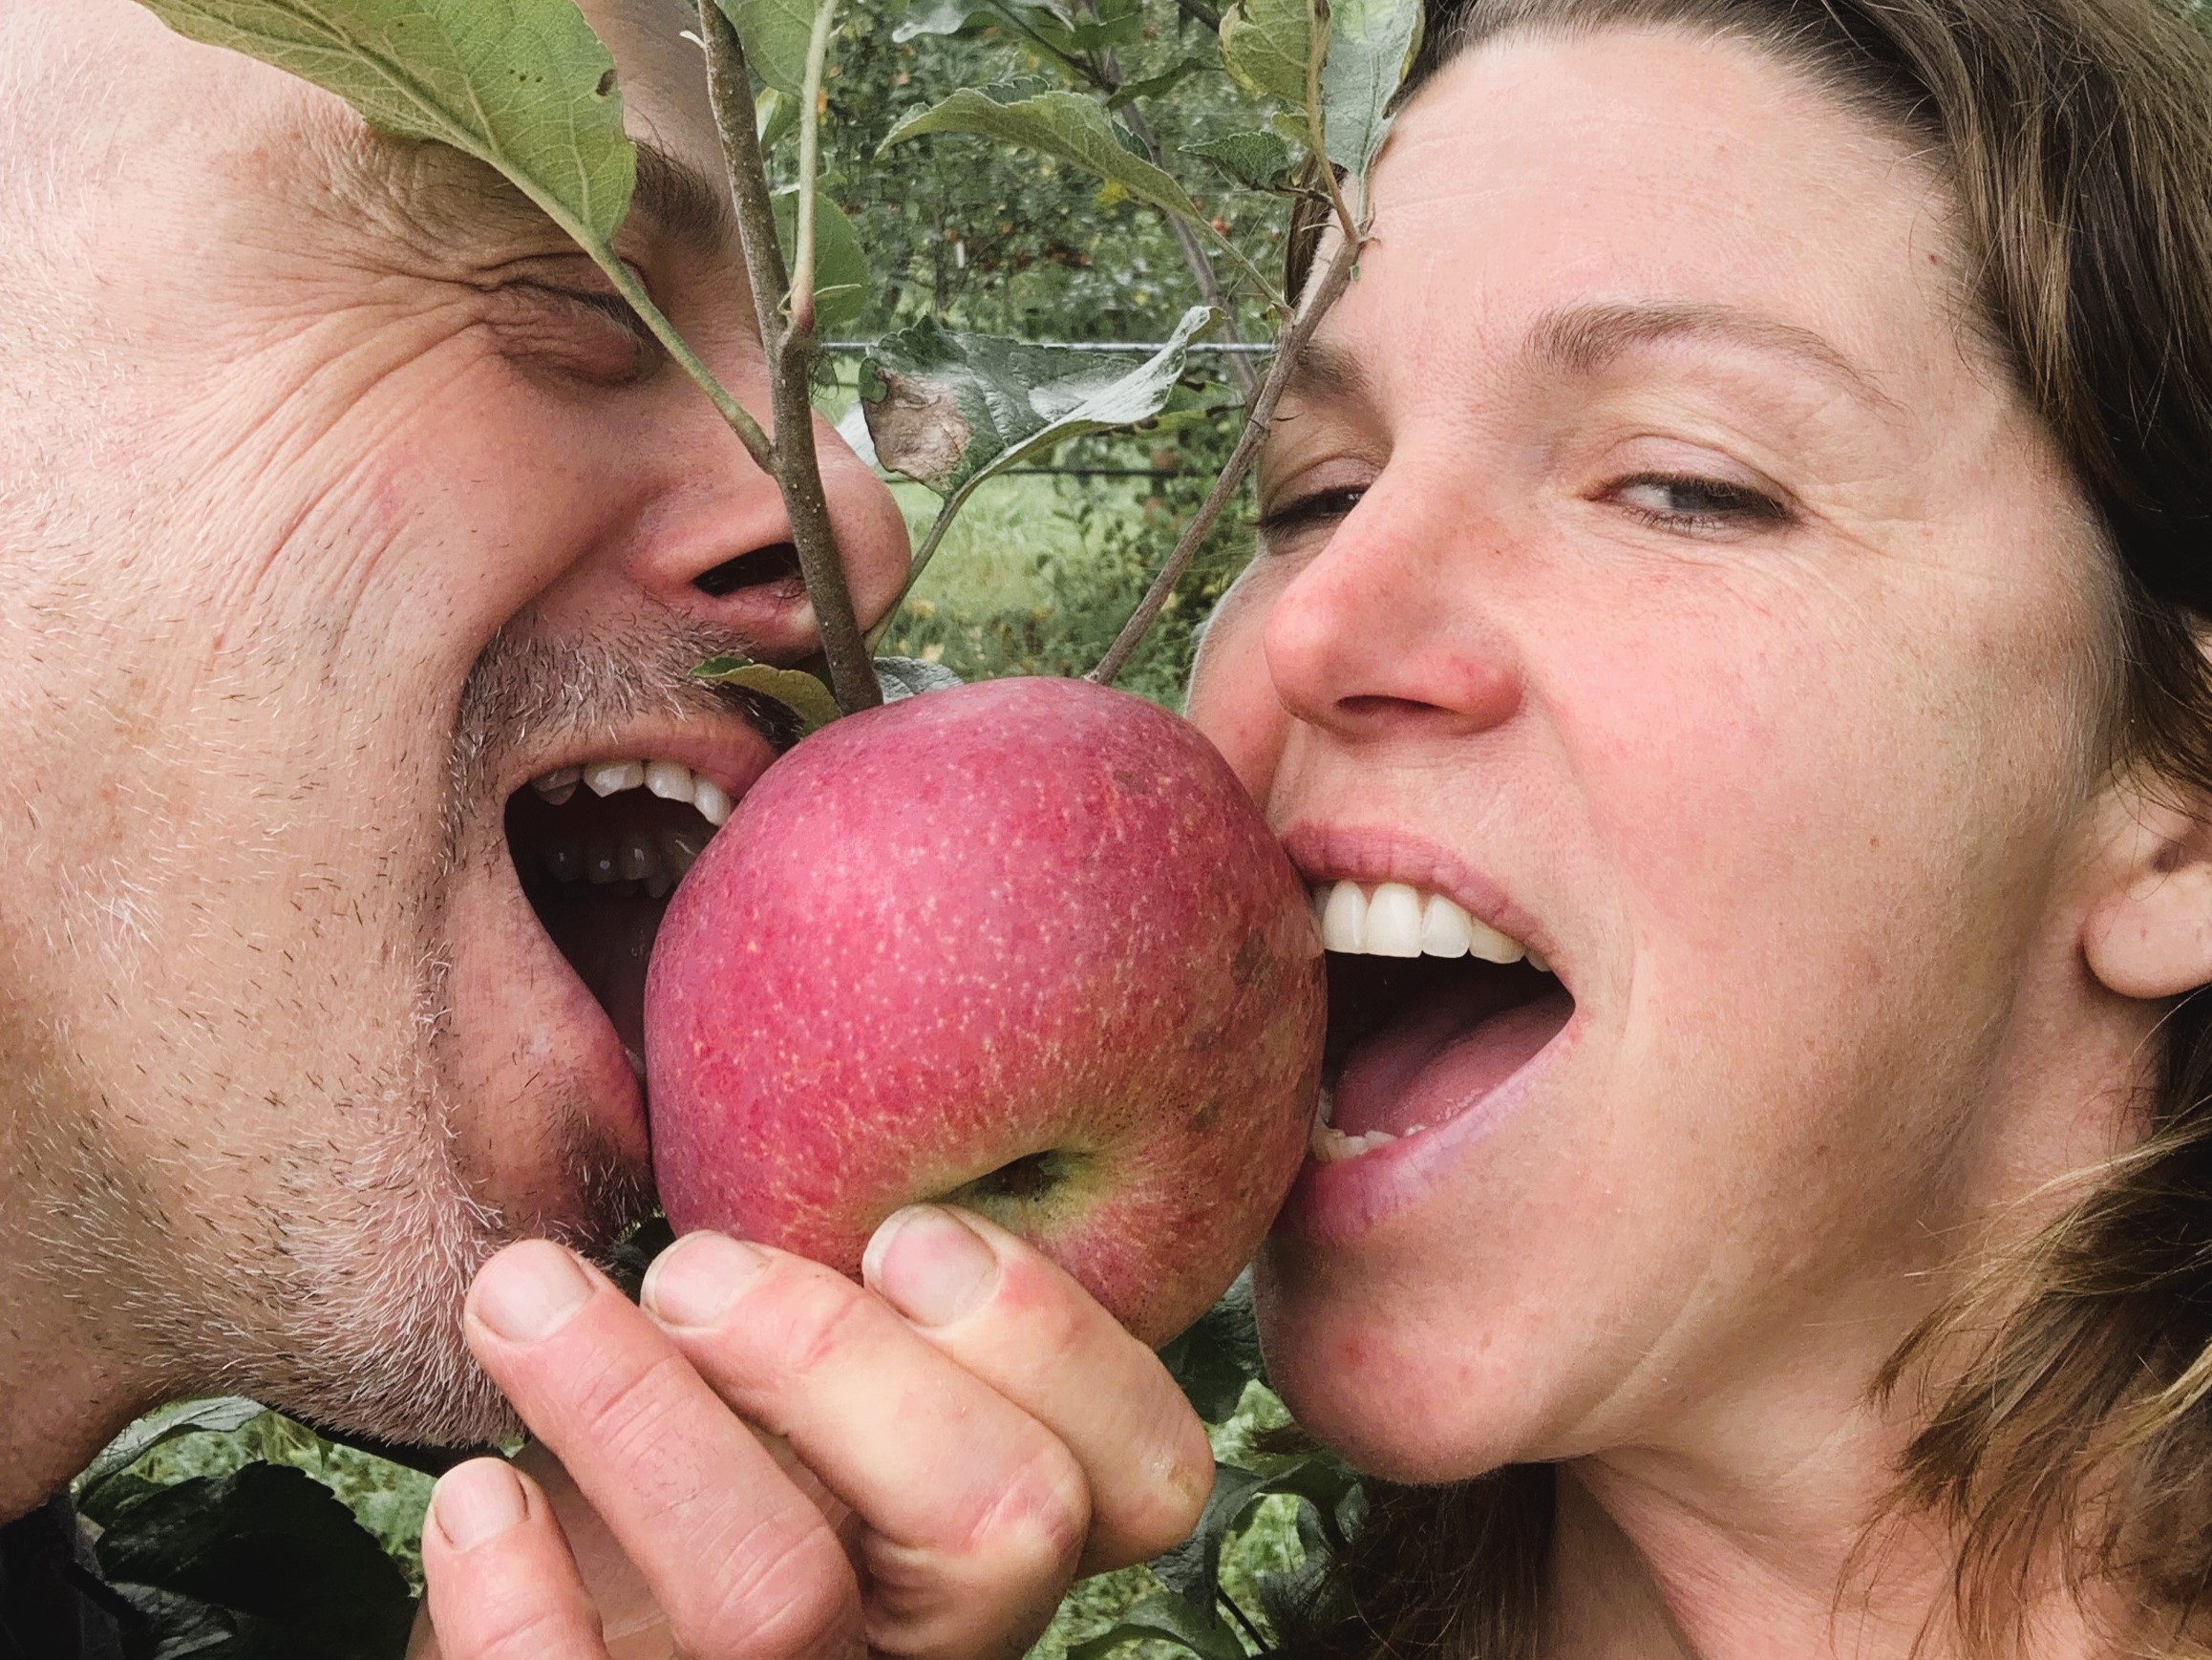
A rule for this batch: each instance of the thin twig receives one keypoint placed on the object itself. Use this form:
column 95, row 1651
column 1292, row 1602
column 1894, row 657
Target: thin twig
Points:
column 739, row 418
column 1317, row 118
column 802, row 283
column 922, row 555
column 790, row 353
column 1259, row 1643
column 1194, row 253
column 1203, row 14
column 1324, row 294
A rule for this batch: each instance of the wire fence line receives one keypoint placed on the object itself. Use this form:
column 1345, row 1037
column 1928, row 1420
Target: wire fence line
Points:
column 1218, row 347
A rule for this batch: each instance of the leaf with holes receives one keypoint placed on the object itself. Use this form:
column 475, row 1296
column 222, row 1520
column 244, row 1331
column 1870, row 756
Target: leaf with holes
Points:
column 522, row 85
column 950, row 410
column 1065, row 125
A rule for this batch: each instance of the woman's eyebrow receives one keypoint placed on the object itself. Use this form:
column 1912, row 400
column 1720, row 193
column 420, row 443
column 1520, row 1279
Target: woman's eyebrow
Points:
column 1583, row 339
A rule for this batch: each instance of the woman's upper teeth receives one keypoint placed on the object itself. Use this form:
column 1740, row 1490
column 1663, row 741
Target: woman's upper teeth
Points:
column 670, row 780
column 1395, row 919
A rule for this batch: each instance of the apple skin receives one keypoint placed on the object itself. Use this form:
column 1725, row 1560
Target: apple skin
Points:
column 1026, row 922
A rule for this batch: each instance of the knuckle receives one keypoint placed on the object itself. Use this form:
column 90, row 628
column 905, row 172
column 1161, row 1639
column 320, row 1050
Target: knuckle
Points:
column 1037, row 1523
column 811, row 1319
column 789, row 1596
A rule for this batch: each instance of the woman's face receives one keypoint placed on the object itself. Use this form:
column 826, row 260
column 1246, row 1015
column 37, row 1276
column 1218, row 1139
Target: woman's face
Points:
column 1655, row 567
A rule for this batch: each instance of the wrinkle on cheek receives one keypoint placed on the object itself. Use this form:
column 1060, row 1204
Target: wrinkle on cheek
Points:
column 327, row 501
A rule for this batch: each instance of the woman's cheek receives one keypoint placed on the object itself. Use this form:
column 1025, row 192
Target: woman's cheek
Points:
column 1232, row 694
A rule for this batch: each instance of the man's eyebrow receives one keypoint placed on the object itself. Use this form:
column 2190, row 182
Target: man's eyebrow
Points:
column 1585, row 339
column 456, row 197
column 682, row 202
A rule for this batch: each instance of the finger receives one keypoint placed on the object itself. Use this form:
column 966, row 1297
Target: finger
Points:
column 1017, row 1321
column 975, row 1513
column 502, row 1582
column 741, row 1561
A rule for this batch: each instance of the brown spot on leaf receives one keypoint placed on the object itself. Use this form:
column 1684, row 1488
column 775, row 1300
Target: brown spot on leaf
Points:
column 917, row 428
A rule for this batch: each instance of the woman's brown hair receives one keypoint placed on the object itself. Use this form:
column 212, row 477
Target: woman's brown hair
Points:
column 2067, row 1419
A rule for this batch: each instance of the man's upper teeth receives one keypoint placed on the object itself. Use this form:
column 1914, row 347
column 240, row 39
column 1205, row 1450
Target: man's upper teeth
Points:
column 1396, row 920
column 670, row 780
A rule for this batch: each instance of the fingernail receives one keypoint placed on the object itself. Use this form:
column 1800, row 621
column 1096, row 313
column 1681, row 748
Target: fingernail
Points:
column 699, row 1279
column 932, row 1266
column 528, row 1291
column 478, row 1501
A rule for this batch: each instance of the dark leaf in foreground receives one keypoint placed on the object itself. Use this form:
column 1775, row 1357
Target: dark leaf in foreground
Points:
column 264, row 1561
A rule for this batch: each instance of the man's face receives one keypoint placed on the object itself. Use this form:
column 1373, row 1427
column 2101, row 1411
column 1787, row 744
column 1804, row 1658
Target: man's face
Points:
column 343, row 503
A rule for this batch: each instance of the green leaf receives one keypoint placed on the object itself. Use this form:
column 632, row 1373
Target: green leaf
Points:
column 774, row 119
column 777, row 34
column 220, row 1415
column 1067, row 125
column 957, row 16
column 1157, row 86
column 949, row 409
column 1255, row 160
column 1167, row 1616
column 1216, row 1358
column 798, row 691
column 1267, row 46
column 840, row 269
column 1193, row 1568
column 1371, row 44
column 522, row 85
column 269, row 1547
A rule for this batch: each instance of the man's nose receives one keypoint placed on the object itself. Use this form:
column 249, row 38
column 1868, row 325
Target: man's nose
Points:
column 710, row 540
column 1382, row 633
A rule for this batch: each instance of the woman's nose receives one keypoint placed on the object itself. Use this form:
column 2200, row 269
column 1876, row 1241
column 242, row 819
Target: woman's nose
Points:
column 1384, row 632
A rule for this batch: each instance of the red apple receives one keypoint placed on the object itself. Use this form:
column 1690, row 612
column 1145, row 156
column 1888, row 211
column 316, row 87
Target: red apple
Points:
column 1024, row 946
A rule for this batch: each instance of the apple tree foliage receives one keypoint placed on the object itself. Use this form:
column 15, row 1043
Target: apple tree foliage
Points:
column 225, row 1529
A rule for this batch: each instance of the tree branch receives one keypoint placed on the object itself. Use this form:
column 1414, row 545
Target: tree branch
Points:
column 1195, row 257
column 1201, row 13
column 790, row 352
column 1323, row 295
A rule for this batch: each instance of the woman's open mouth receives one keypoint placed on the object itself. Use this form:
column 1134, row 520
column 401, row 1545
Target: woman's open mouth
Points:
column 1429, row 1013
column 599, row 849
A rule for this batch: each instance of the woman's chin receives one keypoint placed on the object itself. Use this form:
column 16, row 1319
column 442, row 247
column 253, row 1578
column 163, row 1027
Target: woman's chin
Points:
column 1383, row 1385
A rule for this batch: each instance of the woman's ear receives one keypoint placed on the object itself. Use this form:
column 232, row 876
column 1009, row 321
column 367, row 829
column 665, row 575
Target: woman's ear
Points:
column 2149, row 932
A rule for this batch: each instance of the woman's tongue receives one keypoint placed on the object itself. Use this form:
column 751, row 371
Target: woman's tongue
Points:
column 1439, row 1054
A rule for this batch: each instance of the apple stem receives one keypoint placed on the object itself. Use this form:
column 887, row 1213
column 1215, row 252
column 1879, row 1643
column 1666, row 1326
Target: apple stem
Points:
column 1318, row 300
column 787, row 341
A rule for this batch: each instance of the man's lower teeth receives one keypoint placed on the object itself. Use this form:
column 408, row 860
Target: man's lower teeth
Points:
column 658, row 861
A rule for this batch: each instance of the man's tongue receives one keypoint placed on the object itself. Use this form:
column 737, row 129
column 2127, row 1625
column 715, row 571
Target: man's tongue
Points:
column 608, row 940
column 1439, row 1055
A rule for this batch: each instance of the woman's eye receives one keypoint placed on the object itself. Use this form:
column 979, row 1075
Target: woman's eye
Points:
column 1319, row 510
column 1676, row 502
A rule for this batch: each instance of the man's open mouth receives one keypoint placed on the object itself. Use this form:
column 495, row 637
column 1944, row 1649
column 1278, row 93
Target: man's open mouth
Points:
column 1428, row 1012
column 599, row 849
